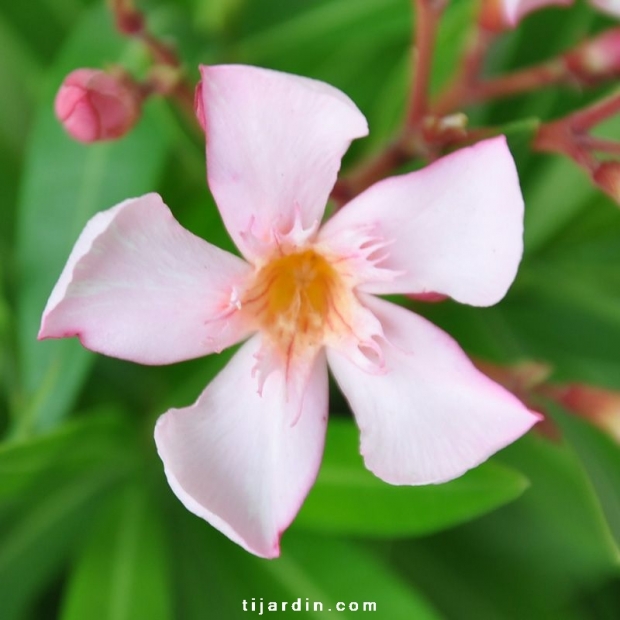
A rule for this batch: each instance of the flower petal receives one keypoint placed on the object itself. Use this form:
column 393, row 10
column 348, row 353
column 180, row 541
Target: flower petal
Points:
column 274, row 144
column 140, row 287
column 238, row 459
column 454, row 228
column 432, row 416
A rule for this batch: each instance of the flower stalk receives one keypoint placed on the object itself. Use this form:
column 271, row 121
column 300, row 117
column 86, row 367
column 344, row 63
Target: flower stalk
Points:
column 167, row 77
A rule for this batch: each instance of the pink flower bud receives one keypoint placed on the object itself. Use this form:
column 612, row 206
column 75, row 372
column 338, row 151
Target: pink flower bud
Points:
column 607, row 177
column 600, row 406
column 596, row 59
column 499, row 15
column 93, row 105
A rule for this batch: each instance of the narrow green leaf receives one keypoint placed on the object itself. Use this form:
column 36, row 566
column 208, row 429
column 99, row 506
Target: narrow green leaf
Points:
column 75, row 446
column 532, row 558
column 37, row 538
column 348, row 499
column 121, row 573
column 219, row 577
column 214, row 576
column 20, row 75
column 345, row 578
column 317, row 25
column 600, row 456
column 64, row 184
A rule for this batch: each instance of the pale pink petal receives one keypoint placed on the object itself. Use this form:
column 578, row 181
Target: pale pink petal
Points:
column 516, row 10
column 274, row 144
column 244, row 461
column 611, row 7
column 432, row 415
column 454, row 228
column 140, row 287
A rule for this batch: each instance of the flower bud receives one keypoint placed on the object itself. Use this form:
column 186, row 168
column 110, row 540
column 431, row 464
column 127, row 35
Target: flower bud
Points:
column 499, row 15
column 93, row 105
column 600, row 406
column 607, row 177
column 596, row 59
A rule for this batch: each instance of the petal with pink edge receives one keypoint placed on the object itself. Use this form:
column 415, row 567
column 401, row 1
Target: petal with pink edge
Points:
column 239, row 459
column 516, row 10
column 453, row 228
column 139, row 286
column 274, row 145
column 611, row 7
column 433, row 415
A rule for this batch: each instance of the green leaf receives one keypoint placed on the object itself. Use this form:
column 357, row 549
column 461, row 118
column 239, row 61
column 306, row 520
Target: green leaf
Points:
column 348, row 499
column 64, row 184
column 214, row 574
column 75, row 446
column 39, row 535
column 531, row 559
column 215, row 16
column 322, row 23
column 600, row 457
column 553, row 198
column 121, row 573
column 344, row 577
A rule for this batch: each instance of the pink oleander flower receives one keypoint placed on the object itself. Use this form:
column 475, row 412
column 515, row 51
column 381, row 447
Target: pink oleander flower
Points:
column 93, row 105
column 502, row 14
column 140, row 287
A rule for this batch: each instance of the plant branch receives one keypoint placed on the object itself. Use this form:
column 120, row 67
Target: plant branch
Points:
column 427, row 16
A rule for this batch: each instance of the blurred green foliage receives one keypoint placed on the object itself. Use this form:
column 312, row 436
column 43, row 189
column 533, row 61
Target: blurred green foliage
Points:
column 89, row 528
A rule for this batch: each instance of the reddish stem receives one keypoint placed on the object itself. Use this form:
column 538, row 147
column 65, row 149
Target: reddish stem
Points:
column 518, row 82
column 398, row 153
column 371, row 170
column 587, row 118
column 427, row 16
column 130, row 21
column 611, row 147
column 559, row 137
column 468, row 72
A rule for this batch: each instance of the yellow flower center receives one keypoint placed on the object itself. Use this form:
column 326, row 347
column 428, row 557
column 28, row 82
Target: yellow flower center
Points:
column 291, row 297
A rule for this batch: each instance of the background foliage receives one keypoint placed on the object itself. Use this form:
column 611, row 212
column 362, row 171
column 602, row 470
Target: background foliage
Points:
column 88, row 525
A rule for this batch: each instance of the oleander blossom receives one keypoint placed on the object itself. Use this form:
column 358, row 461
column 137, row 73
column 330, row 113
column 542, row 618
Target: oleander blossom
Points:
column 140, row 287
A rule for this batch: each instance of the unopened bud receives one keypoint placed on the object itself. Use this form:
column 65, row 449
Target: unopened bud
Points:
column 521, row 378
column 607, row 177
column 499, row 15
column 93, row 105
column 128, row 20
column 596, row 59
column 493, row 17
column 600, row 406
